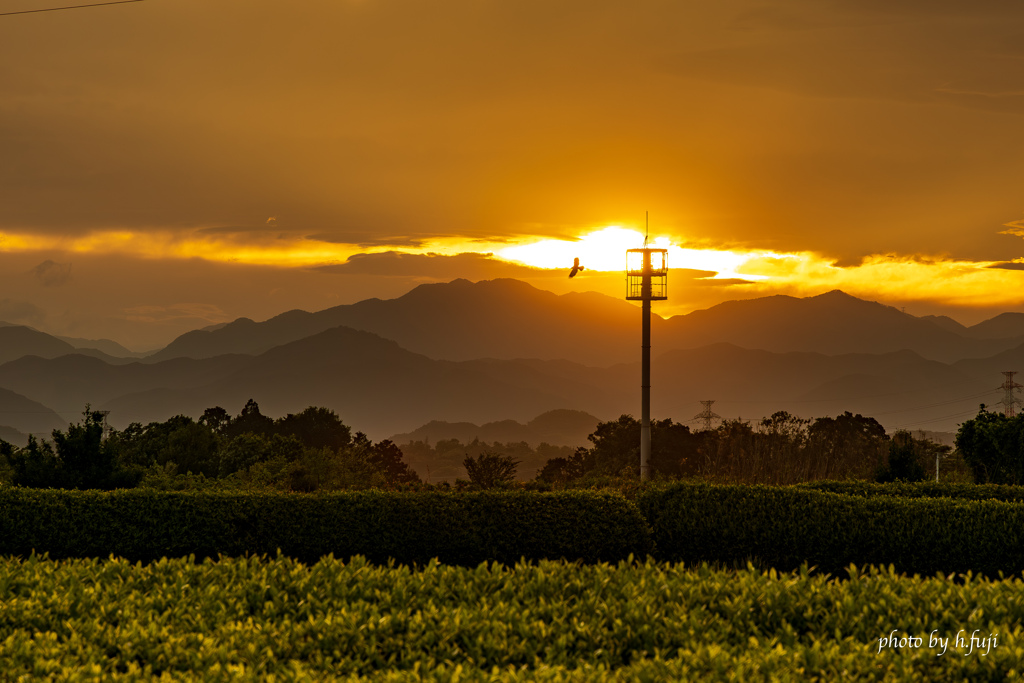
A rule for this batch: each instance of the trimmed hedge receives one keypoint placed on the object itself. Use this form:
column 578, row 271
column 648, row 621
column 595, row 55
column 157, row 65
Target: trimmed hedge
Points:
column 784, row 527
column 924, row 489
column 688, row 522
column 460, row 529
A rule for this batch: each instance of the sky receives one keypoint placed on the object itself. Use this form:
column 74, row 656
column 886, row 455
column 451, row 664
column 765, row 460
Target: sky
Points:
column 172, row 164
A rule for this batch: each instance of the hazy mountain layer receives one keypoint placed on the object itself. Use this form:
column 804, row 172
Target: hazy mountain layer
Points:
column 25, row 416
column 508, row 319
column 458, row 320
column 378, row 387
column 555, row 427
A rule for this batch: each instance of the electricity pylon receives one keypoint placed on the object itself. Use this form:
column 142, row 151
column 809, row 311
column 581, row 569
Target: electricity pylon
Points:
column 707, row 415
column 1010, row 401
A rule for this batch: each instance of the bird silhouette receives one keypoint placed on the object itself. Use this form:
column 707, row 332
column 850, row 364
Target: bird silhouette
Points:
column 576, row 267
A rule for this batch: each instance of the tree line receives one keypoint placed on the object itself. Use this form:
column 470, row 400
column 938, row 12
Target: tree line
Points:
column 306, row 451
column 314, row 450
column 778, row 450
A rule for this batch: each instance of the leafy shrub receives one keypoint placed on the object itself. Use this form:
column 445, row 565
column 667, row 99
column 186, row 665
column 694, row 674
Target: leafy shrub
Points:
column 785, row 527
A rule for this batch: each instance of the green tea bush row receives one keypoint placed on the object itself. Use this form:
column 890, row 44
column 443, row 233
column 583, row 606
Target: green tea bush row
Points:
column 250, row 618
column 784, row 527
column 927, row 489
column 411, row 527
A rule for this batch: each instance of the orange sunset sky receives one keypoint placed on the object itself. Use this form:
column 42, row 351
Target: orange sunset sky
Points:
column 170, row 164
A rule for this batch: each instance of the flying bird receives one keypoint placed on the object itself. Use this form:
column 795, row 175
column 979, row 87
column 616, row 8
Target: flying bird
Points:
column 576, row 267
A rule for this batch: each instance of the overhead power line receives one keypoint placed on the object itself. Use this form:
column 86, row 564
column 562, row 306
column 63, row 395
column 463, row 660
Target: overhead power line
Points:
column 58, row 9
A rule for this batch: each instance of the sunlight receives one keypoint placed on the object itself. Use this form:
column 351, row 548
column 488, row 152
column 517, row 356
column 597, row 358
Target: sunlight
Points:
column 602, row 253
column 605, row 250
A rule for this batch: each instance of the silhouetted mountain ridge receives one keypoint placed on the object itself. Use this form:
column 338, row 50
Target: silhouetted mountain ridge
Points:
column 555, row 427
column 506, row 319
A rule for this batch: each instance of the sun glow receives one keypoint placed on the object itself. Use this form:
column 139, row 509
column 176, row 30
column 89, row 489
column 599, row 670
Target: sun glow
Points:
column 605, row 250
column 715, row 274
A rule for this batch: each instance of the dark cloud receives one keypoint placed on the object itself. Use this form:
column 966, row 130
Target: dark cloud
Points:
column 52, row 274
column 470, row 266
column 366, row 239
column 1008, row 265
column 14, row 311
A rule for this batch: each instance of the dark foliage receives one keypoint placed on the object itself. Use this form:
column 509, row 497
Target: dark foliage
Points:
column 464, row 528
column 489, row 470
column 79, row 458
column 992, row 445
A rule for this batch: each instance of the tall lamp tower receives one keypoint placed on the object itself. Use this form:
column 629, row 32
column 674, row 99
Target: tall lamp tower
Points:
column 646, row 281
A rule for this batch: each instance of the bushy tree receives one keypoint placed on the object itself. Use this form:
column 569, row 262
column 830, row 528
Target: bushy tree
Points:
column 249, row 421
column 489, row 470
column 79, row 458
column 189, row 446
column 561, row 470
column 386, row 458
column 616, row 448
column 992, row 445
column 316, row 428
column 904, row 462
column 36, row 465
column 847, row 445
column 247, row 449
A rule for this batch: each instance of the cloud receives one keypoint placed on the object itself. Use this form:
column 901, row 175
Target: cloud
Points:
column 13, row 311
column 471, row 266
column 52, row 274
column 1016, row 228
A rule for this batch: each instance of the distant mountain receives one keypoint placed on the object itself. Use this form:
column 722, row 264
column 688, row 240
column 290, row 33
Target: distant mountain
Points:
column 20, row 416
column 555, row 427
column 106, row 346
column 948, row 324
column 458, row 320
column 375, row 385
column 507, row 319
column 1004, row 325
column 18, row 340
column 13, row 436
column 832, row 323
column 69, row 382
column 380, row 388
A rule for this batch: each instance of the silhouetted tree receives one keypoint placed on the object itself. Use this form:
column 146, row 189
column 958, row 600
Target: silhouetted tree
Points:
column 489, row 470
column 845, row 446
column 35, row 465
column 561, row 470
column 903, row 462
column 316, row 428
column 79, row 458
column 674, row 449
column 216, row 418
column 386, row 457
column 992, row 445
column 248, row 449
column 249, row 421
column 193, row 447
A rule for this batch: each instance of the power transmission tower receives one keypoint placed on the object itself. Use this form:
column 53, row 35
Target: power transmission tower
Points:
column 1009, row 399
column 707, row 415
